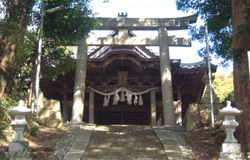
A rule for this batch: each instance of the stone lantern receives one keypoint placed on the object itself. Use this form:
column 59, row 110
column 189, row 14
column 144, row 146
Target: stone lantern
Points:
column 230, row 149
column 18, row 148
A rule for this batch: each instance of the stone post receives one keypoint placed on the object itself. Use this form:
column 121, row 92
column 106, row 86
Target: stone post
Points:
column 153, row 108
column 18, row 148
column 179, row 108
column 230, row 148
column 65, row 107
column 80, row 77
column 91, row 106
column 248, row 54
column 166, row 78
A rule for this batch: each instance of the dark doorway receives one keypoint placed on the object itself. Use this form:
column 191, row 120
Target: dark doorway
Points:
column 123, row 114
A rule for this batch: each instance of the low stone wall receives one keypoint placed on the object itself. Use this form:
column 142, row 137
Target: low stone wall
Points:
column 197, row 113
column 49, row 112
column 201, row 112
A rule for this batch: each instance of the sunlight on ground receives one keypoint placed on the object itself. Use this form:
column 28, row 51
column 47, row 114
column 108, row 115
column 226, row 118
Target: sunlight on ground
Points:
column 102, row 128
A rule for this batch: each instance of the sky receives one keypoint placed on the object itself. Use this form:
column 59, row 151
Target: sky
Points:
column 155, row 9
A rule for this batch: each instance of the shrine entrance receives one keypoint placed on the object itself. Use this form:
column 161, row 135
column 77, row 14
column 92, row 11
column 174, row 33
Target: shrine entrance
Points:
column 121, row 106
column 122, row 113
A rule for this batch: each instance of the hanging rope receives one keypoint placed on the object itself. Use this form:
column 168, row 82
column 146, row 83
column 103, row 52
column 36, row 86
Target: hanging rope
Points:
column 140, row 100
column 116, row 99
column 135, row 100
column 122, row 97
column 122, row 89
column 128, row 94
column 129, row 98
column 105, row 101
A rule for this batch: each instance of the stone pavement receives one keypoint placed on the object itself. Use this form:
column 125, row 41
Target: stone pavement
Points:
column 81, row 142
column 174, row 145
column 124, row 142
column 128, row 142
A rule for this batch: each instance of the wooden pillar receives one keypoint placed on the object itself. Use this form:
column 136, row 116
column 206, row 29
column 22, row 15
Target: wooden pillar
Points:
column 65, row 107
column 166, row 78
column 80, row 77
column 153, row 108
column 179, row 108
column 91, row 106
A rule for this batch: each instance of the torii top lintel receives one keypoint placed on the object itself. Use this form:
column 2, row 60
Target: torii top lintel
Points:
column 145, row 23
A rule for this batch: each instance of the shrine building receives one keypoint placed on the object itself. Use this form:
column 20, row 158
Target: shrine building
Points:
column 121, row 81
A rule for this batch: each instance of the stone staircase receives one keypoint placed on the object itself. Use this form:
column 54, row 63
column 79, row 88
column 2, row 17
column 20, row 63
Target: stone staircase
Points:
column 124, row 142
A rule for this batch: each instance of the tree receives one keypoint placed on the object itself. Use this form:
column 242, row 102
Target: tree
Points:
column 241, row 44
column 225, row 18
column 18, row 46
column 217, row 13
column 12, row 39
column 62, row 28
column 223, row 86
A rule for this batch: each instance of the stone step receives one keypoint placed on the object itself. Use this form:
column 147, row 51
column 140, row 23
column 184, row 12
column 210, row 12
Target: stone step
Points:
column 128, row 157
column 124, row 142
column 132, row 147
column 122, row 151
column 125, row 153
column 145, row 140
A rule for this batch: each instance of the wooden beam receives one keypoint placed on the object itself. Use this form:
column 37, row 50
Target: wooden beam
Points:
column 109, row 41
column 136, row 41
column 145, row 23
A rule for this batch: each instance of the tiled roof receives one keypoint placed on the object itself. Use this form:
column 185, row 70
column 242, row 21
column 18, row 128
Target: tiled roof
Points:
column 193, row 65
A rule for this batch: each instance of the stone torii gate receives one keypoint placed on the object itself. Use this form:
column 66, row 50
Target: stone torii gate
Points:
column 123, row 26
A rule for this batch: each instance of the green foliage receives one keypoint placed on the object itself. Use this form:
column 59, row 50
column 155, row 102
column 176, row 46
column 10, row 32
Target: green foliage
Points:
column 245, row 26
column 17, row 16
column 16, row 44
column 60, row 62
column 218, row 15
column 6, row 104
column 223, row 86
column 69, row 24
column 28, row 47
column 34, row 130
column 62, row 28
column 25, row 66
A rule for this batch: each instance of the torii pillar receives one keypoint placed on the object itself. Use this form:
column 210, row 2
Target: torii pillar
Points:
column 80, row 77
column 166, row 78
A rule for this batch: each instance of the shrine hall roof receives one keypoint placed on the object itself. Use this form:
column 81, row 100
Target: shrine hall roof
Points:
column 193, row 65
column 101, row 53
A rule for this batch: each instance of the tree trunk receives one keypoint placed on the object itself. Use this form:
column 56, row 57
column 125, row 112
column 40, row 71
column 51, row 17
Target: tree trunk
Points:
column 11, row 39
column 6, row 63
column 241, row 71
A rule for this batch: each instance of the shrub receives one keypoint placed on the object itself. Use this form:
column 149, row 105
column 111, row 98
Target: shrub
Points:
column 33, row 130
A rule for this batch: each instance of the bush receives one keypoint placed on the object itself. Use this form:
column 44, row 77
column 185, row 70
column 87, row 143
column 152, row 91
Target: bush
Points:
column 5, row 105
column 6, row 132
column 33, row 130
column 34, row 127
